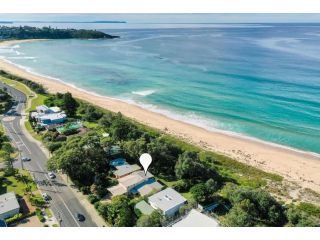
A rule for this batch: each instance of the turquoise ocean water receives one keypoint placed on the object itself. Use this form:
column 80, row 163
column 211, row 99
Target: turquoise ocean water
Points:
column 261, row 81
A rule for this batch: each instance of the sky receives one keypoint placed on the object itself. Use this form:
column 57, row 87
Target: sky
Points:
column 169, row 18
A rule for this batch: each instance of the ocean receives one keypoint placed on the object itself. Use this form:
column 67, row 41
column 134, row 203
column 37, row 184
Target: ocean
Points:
column 255, row 80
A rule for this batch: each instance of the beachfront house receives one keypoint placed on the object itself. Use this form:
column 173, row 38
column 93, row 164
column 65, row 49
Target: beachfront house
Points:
column 196, row 219
column 46, row 116
column 135, row 183
column 43, row 109
column 124, row 170
column 168, row 201
column 9, row 205
column 52, row 119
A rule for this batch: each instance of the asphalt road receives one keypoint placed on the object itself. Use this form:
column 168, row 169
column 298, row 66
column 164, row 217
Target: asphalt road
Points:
column 64, row 203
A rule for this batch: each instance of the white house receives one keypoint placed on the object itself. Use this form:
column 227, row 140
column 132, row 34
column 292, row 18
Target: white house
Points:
column 46, row 116
column 9, row 205
column 168, row 201
column 196, row 219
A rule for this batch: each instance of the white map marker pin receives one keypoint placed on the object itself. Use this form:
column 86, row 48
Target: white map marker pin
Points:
column 145, row 160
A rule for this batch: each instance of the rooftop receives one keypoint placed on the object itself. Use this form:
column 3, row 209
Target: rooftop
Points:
column 117, row 190
column 134, row 178
column 52, row 116
column 148, row 188
column 144, row 207
column 125, row 169
column 167, row 199
column 8, row 202
column 55, row 109
column 196, row 219
column 42, row 108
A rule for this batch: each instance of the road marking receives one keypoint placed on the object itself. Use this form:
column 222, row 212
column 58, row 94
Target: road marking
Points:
column 20, row 138
column 8, row 119
column 59, row 195
column 22, row 142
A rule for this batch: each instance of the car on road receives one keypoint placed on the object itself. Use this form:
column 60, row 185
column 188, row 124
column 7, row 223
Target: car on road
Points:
column 80, row 217
column 46, row 197
column 51, row 175
column 26, row 159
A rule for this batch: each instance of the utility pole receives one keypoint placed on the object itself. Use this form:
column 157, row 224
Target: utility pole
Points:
column 22, row 167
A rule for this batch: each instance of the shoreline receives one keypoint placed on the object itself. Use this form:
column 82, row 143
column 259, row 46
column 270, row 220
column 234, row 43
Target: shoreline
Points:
column 293, row 164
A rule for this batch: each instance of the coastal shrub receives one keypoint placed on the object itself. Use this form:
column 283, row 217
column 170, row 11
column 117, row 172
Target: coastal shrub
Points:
column 71, row 131
column 60, row 138
column 119, row 212
column 54, row 146
column 97, row 205
column 253, row 208
column 189, row 167
column 40, row 215
column 37, row 201
column 152, row 220
column 14, row 218
column 182, row 185
column 91, row 114
column 93, row 198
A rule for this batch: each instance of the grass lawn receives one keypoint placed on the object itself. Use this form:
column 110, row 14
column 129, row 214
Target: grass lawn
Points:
column 48, row 212
column 38, row 100
column 90, row 125
column 30, row 130
column 20, row 86
column 15, row 183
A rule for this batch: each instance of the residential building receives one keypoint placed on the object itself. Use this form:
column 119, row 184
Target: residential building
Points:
column 9, row 205
column 46, row 116
column 52, row 118
column 168, row 201
column 43, row 109
column 196, row 219
column 128, row 182
column 144, row 207
column 135, row 183
column 126, row 169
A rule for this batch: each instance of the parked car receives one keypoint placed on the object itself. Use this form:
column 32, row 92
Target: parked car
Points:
column 51, row 175
column 80, row 217
column 46, row 197
column 26, row 159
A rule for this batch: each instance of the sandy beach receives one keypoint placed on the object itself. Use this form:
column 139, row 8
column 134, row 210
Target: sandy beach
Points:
column 301, row 167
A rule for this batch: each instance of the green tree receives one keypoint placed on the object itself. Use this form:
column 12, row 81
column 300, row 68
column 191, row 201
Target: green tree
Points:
column 299, row 218
column 82, row 158
column 264, row 209
column 189, row 167
column 69, row 104
column 152, row 220
column 118, row 213
column 8, row 161
column 200, row 193
column 243, row 214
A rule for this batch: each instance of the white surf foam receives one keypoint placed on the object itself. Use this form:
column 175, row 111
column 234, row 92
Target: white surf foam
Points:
column 144, row 92
column 189, row 117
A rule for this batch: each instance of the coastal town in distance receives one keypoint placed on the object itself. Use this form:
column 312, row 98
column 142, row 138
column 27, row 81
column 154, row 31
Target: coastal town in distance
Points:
column 107, row 121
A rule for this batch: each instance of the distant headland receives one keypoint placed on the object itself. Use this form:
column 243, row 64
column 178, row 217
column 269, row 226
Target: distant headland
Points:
column 27, row 32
